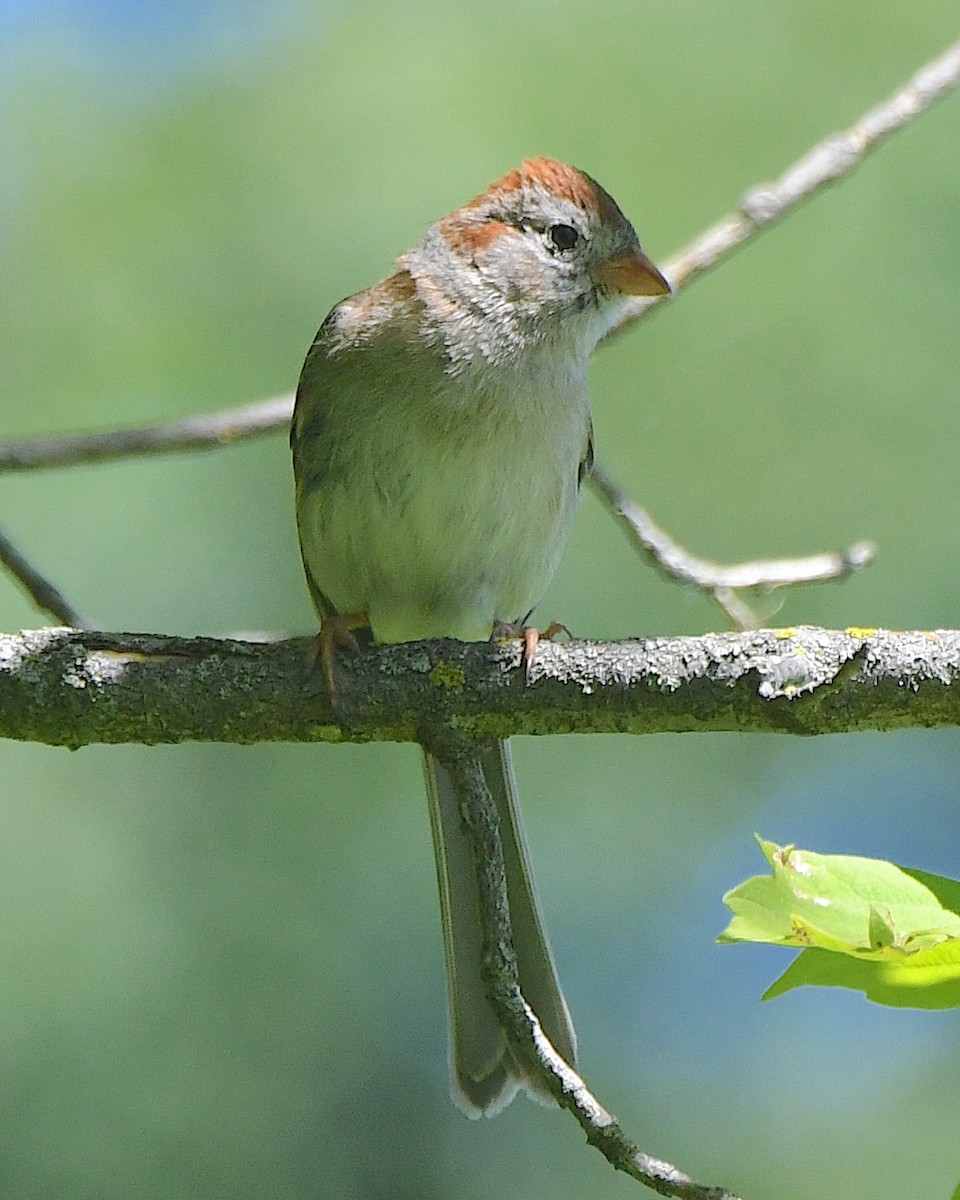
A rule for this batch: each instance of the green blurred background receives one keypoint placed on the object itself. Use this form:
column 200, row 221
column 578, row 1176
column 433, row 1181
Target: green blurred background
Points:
column 221, row 970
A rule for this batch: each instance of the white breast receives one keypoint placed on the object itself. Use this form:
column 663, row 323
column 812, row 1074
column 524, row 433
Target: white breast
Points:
column 446, row 514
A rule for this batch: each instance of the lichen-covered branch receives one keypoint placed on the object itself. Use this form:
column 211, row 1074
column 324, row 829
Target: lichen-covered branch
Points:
column 68, row 687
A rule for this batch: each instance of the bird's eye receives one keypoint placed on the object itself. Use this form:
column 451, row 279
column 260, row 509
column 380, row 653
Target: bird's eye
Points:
column 564, row 237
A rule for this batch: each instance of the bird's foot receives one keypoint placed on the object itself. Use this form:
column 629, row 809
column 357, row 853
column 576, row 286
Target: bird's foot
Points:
column 531, row 638
column 336, row 633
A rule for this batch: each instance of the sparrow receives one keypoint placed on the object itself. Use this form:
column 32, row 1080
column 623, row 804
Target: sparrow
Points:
column 441, row 434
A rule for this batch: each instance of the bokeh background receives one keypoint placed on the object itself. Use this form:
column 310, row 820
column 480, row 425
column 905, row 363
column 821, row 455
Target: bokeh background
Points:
column 220, row 972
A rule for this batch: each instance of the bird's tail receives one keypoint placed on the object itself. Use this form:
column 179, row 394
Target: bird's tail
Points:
column 484, row 1075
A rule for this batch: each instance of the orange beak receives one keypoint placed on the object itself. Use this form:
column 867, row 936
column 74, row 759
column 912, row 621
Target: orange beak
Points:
column 633, row 274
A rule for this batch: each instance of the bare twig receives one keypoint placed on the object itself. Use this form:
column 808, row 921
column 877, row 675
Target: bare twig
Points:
column 723, row 582
column 45, row 595
column 828, row 161
column 459, row 756
column 206, row 431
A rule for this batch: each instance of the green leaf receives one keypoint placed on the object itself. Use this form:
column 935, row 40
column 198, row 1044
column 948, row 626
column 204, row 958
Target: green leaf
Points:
column 862, row 923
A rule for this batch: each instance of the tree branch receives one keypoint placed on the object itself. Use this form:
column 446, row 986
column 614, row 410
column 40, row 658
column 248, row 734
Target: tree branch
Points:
column 42, row 591
column 73, row 688
column 519, row 1021
column 828, row 161
column 205, row 431
column 724, row 581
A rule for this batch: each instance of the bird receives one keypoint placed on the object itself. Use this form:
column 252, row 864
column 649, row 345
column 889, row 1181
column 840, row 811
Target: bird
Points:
column 441, row 434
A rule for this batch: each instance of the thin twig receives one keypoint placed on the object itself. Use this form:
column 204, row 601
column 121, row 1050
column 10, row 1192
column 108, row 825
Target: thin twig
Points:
column 205, row 431
column 828, row 161
column 459, row 756
column 724, row 581
column 45, row 595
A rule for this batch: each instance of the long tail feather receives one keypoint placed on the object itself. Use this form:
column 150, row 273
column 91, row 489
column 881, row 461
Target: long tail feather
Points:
column 484, row 1075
